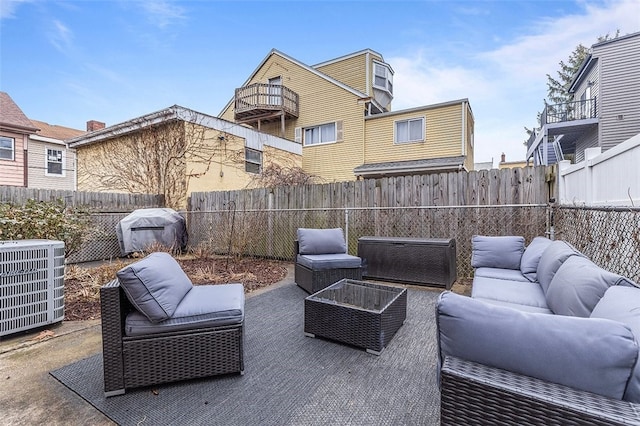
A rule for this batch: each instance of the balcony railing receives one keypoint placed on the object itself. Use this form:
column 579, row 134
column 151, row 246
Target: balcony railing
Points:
column 260, row 101
column 569, row 111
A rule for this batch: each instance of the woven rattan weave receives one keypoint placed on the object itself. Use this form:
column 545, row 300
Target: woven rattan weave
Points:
column 475, row 394
column 163, row 357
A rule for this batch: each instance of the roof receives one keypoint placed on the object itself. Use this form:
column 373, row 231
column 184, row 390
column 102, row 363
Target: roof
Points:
column 253, row 138
column 312, row 70
column 430, row 165
column 12, row 116
column 53, row 131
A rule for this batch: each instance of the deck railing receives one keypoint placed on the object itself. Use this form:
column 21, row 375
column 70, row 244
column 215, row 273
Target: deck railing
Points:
column 265, row 97
column 569, row 111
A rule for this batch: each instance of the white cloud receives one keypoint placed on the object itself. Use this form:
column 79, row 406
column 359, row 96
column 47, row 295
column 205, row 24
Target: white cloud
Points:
column 61, row 36
column 162, row 13
column 506, row 86
column 8, row 7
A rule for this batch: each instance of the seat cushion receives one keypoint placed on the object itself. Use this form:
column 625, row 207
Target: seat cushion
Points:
column 518, row 292
column 496, row 252
column 155, row 285
column 502, row 274
column 517, row 306
column 204, row 306
column 578, row 286
column 552, row 257
column 592, row 354
column 531, row 257
column 321, row 241
column 622, row 303
column 322, row 262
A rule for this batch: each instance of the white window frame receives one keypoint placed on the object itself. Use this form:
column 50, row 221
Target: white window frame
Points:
column 47, row 161
column 318, row 128
column 388, row 76
column 408, row 121
column 249, row 162
column 11, row 150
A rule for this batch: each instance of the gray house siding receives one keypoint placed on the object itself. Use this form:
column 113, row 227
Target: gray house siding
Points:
column 589, row 140
column 619, row 64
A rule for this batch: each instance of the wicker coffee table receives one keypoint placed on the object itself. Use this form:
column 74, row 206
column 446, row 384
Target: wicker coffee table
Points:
column 358, row 313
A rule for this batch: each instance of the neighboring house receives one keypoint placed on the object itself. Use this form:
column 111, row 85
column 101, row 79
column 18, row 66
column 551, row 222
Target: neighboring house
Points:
column 15, row 129
column 504, row 164
column 51, row 165
column 339, row 111
column 218, row 154
column 605, row 110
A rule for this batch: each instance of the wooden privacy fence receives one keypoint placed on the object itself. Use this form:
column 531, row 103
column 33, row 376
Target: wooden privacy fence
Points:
column 96, row 201
column 528, row 185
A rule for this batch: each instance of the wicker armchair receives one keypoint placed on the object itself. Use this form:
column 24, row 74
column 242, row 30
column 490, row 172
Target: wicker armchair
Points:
column 321, row 259
column 138, row 352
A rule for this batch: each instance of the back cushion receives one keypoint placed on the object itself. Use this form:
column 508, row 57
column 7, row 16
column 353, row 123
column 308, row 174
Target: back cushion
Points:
column 155, row 285
column 496, row 252
column 552, row 257
column 531, row 257
column 321, row 241
column 622, row 303
column 578, row 286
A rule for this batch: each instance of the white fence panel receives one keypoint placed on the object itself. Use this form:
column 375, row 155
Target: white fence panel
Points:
column 603, row 179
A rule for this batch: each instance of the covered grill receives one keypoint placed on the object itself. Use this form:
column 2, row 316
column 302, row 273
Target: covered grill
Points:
column 145, row 227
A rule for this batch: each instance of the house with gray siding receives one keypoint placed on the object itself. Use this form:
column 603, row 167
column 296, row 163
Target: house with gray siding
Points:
column 604, row 111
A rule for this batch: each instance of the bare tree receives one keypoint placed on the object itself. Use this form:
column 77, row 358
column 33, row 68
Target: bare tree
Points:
column 275, row 174
column 153, row 158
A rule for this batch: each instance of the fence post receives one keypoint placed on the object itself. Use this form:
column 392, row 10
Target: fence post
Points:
column 346, row 227
column 589, row 155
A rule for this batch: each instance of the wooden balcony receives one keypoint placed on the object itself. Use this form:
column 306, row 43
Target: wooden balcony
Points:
column 262, row 103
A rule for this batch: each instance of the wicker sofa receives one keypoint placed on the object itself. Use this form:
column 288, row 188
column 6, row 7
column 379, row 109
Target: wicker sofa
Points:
column 157, row 327
column 547, row 337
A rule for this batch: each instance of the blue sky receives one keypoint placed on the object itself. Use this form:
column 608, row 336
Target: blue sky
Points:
column 67, row 62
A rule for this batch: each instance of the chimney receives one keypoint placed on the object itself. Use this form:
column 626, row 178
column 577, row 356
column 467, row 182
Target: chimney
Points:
column 93, row 125
column 503, row 158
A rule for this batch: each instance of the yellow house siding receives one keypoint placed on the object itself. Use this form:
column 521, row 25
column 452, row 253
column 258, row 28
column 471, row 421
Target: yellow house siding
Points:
column 321, row 102
column 469, row 137
column 443, row 135
column 351, row 71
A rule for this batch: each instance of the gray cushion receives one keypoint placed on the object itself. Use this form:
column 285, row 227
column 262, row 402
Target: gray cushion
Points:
column 594, row 355
column 622, row 303
column 322, row 262
column 502, row 274
column 531, row 257
column 525, row 308
column 518, row 292
column 496, row 252
column 204, row 306
column 321, row 241
column 155, row 285
column 552, row 257
column 578, row 286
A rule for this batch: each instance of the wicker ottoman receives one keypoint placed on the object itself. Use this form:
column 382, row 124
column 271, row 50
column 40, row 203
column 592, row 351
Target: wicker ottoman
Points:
column 358, row 313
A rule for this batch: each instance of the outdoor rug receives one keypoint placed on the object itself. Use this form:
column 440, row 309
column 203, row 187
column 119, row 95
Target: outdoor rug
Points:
column 290, row 379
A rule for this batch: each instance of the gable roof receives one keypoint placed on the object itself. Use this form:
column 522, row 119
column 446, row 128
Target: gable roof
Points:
column 53, row 131
column 11, row 116
column 312, row 70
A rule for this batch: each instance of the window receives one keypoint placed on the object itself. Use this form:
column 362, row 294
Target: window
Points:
column 324, row 133
column 275, row 91
column 252, row 160
column 382, row 77
column 54, row 162
column 7, row 146
column 411, row 130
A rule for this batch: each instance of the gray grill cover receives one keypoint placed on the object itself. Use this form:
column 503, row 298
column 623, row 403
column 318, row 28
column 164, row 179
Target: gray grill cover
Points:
column 144, row 227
